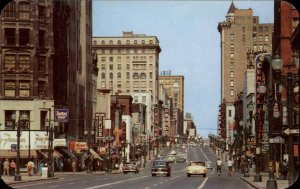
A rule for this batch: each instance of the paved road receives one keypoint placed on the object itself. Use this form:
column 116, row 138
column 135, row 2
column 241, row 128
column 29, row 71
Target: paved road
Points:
column 144, row 180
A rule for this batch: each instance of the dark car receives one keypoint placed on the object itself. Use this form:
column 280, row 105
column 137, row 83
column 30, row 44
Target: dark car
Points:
column 130, row 167
column 161, row 167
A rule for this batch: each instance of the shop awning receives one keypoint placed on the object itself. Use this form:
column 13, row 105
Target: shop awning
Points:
column 42, row 154
column 95, row 154
column 23, row 154
column 45, row 154
column 65, row 152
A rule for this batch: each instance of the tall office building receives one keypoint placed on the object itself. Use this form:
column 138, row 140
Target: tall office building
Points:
column 174, row 85
column 46, row 63
column 241, row 36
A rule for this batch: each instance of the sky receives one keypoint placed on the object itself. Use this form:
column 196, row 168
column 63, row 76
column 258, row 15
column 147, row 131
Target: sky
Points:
column 189, row 40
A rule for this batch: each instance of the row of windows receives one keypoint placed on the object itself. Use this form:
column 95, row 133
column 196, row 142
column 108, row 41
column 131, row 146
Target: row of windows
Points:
column 134, row 59
column 135, row 67
column 134, row 76
column 135, row 85
column 21, row 63
column 128, row 42
column 22, row 88
column 24, row 37
column 260, row 39
column 23, row 12
column 127, row 51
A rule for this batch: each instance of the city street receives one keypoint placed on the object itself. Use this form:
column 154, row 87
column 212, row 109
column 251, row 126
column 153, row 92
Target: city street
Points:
column 144, row 180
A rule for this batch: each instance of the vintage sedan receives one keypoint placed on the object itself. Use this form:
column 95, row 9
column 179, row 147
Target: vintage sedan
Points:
column 208, row 165
column 161, row 167
column 130, row 167
column 171, row 158
column 181, row 158
column 196, row 168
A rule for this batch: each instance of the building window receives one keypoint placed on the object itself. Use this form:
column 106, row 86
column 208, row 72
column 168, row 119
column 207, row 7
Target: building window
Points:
column 150, row 58
column 119, row 67
column 41, row 89
column 231, row 74
column 143, row 41
column 24, row 62
column 143, row 84
column 127, row 42
column 231, row 83
column 119, row 42
column 102, row 42
column 135, row 76
column 9, row 123
column 42, row 13
column 231, row 37
column 127, row 75
column 119, row 85
column 128, row 84
column 24, row 87
column 231, row 47
column 103, row 85
column 144, row 99
column 118, row 59
column 111, row 59
column 244, row 38
column 10, row 88
column 119, row 75
column 231, row 92
column 151, row 42
column 10, row 10
column 24, row 11
column 143, row 76
column 42, row 64
column 261, row 29
column 102, row 75
column 103, row 59
column 244, row 29
column 254, row 20
column 24, row 36
column 231, row 65
column 127, row 66
column 127, row 59
column 135, row 41
column 254, row 29
column 42, row 38
column 260, row 38
column 135, row 84
column 266, row 38
column 111, row 84
column 10, row 36
column 103, row 67
column 111, row 42
column 229, row 113
column 111, row 67
column 231, row 55
column 111, row 76
column 9, row 62
column 255, row 39
column 150, row 75
column 135, row 99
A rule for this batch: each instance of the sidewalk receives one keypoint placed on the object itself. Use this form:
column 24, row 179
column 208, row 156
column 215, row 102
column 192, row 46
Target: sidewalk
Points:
column 9, row 180
column 281, row 184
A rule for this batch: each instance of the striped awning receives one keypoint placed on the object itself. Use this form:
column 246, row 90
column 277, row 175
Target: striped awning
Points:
column 95, row 154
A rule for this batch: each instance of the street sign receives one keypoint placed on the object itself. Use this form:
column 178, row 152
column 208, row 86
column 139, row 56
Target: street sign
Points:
column 291, row 131
column 277, row 139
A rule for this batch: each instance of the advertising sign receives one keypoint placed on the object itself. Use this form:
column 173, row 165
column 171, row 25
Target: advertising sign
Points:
column 62, row 115
column 38, row 140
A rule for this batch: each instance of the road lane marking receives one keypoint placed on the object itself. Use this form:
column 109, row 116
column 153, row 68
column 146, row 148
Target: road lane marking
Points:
column 54, row 186
column 118, row 182
column 203, row 183
column 154, row 185
column 85, row 180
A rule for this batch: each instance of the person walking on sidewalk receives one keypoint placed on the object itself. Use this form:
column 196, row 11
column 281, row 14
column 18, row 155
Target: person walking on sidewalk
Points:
column 74, row 165
column 13, row 167
column 6, row 167
column 284, row 169
column 229, row 164
column 29, row 168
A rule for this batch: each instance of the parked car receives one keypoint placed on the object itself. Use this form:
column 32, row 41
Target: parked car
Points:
column 130, row 167
column 196, row 168
column 208, row 164
column 181, row 158
column 161, row 167
column 172, row 152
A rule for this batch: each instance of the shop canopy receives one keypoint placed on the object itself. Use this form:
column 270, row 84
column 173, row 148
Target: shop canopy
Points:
column 23, row 154
column 65, row 152
column 95, row 154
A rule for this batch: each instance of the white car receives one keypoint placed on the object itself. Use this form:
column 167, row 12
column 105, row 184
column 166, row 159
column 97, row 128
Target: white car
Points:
column 208, row 164
column 196, row 168
column 170, row 158
column 172, row 152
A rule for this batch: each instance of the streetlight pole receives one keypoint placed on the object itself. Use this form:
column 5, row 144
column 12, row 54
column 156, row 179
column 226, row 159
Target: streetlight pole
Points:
column 17, row 175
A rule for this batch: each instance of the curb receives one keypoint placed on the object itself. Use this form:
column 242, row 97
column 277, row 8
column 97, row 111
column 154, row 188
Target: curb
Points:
column 251, row 183
column 25, row 181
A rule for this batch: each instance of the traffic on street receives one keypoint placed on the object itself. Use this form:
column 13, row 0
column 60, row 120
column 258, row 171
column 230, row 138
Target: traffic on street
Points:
column 144, row 179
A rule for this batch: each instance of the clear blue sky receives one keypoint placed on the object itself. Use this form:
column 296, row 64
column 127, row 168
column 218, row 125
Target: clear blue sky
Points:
column 189, row 39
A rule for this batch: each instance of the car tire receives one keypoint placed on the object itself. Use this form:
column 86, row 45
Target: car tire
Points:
column 188, row 175
column 204, row 175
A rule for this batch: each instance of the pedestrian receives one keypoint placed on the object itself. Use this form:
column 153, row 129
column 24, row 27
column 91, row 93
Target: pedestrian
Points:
column 74, row 166
column 13, row 167
column 61, row 166
column 284, row 169
column 6, row 167
column 41, row 167
column 29, row 168
column 121, row 166
column 277, row 169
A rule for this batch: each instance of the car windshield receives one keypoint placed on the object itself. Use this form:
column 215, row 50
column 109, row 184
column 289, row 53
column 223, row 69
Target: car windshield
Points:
column 197, row 163
column 160, row 163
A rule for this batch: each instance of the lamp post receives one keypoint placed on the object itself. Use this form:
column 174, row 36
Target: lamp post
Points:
column 17, row 175
column 289, row 81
